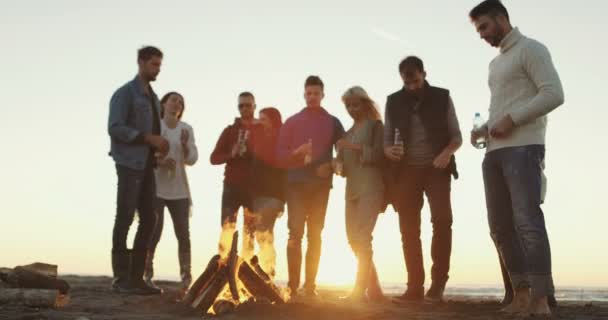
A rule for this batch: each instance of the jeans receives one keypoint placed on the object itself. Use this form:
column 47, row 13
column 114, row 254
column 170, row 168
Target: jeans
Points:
column 266, row 211
column 306, row 206
column 512, row 178
column 136, row 191
column 413, row 183
column 233, row 198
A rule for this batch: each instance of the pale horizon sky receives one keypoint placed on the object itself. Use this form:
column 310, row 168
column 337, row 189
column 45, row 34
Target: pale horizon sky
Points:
column 62, row 60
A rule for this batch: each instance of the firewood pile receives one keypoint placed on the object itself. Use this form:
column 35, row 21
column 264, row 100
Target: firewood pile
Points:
column 229, row 282
column 33, row 285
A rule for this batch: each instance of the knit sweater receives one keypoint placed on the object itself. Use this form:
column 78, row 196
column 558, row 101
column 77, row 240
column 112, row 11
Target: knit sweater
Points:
column 525, row 85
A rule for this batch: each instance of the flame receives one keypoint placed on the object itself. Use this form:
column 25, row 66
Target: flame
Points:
column 267, row 254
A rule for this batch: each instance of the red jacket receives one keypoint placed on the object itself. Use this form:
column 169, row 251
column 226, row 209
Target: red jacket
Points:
column 238, row 169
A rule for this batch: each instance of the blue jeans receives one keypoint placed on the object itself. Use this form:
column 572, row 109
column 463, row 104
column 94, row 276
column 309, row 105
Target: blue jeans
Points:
column 512, row 178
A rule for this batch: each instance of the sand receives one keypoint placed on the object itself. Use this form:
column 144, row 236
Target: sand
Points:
column 92, row 299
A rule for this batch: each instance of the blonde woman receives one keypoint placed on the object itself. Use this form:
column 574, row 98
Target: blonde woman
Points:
column 360, row 157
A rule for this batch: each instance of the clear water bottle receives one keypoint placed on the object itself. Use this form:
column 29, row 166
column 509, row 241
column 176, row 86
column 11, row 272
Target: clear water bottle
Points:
column 478, row 123
column 398, row 142
column 243, row 137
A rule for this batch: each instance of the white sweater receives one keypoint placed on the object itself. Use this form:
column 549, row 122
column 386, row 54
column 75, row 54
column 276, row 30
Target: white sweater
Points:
column 524, row 84
column 173, row 184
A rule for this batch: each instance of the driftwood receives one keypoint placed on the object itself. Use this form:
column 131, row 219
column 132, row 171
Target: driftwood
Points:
column 23, row 277
column 42, row 298
column 202, row 280
column 49, row 270
column 233, row 260
column 217, row 283
column 256, row 285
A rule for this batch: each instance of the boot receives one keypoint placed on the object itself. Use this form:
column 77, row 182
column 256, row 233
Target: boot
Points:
column 138, row 263
column 121, row 262
column 149, row 268
column 185, row 273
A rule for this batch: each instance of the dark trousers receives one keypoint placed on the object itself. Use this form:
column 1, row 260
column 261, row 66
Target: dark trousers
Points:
column 136, row 191
column 306, row 207
column 413, row 183
column 233, row 198
column 180, row 215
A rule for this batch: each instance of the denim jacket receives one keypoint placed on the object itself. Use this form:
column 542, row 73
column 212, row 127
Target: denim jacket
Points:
column 131, row 117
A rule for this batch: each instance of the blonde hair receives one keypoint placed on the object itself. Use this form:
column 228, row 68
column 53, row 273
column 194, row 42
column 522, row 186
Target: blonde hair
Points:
column 360, row 93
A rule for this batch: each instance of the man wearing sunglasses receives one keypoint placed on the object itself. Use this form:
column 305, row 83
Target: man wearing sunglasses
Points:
column 233, row 150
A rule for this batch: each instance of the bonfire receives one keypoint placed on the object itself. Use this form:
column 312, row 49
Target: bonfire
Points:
column 229, row 281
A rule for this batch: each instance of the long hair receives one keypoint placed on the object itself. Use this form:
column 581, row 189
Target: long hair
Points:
column 357, row 92
column 265, row 145
column 164, row 100
column 274, row 115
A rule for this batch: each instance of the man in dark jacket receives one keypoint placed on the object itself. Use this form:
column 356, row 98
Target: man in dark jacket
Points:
column 421, row 136
column 233, row 149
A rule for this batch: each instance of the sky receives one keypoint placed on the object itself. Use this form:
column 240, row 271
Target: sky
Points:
column 61, row 61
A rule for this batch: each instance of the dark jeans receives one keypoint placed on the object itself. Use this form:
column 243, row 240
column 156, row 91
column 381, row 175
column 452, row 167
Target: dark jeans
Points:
column 136, row 191
column 306, row 206
column 180, row 214
column 512, row 178
column 233, row 198
column 413, row 183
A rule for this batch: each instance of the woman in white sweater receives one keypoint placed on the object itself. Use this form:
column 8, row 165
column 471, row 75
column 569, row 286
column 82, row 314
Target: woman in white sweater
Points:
column 172, row 187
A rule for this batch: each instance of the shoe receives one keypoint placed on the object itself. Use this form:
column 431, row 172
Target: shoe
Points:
column 121, row 264
column 410, row 295
column 551, row 301
column 140, row 287
column 435, row 293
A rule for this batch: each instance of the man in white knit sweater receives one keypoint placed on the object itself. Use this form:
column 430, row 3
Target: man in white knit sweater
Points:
column 524, row 87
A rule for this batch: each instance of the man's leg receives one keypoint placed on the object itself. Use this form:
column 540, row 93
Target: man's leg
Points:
column 128, row 191
column 410, row 202
column 315, row 222
column 523, row 176
column 297, row 207
column 230, row 209
column 156, row 234
column 438, row 189
column 147, row 221
column 502, row 230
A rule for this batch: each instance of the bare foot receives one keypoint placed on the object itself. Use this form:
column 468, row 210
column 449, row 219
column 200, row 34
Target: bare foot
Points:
column 539, row 307
column 520, row 303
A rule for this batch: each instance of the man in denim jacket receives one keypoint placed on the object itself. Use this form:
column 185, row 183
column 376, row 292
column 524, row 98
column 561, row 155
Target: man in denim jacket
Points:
column 134, row 129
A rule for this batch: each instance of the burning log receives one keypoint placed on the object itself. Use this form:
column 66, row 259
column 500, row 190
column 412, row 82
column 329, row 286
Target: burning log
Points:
column 208, row 295
column 255, row 263
column 233, row 260
column 203, row 280
column 41, row 298
column 256, row 285
column 223, row 306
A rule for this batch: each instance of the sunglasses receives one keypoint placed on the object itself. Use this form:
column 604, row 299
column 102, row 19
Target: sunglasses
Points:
column 243, row 105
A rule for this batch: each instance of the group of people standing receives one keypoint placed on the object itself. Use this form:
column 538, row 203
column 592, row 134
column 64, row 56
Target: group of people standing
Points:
column 269, row 163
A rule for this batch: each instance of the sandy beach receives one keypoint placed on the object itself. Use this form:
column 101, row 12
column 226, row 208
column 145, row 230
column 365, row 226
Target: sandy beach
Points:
column 92, row 299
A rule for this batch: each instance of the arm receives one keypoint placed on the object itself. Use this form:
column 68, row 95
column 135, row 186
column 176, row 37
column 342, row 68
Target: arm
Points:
column 454, row 130
column 284, row 150
column 374, row 153
column 389, row 131
column 538, row 64
column 117, row 120
column 192, row 156
column 222, row 152
column 443, row 159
